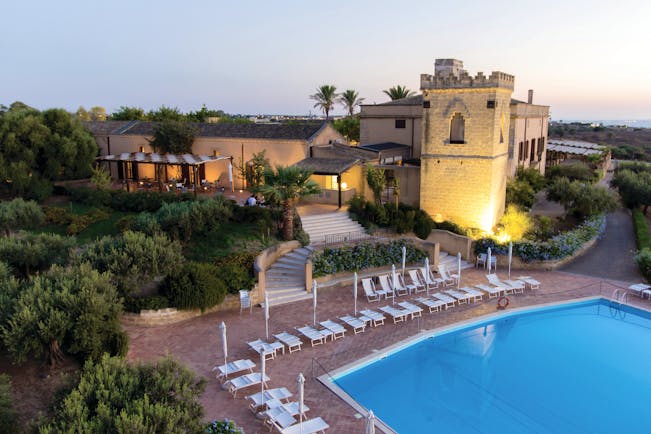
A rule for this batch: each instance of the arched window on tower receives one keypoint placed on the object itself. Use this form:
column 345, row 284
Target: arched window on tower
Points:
column 457, row 126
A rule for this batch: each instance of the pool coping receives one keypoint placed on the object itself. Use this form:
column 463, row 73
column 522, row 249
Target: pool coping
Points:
column 328, row 379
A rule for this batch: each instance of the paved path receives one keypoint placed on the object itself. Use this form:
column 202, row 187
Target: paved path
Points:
column 613, row 256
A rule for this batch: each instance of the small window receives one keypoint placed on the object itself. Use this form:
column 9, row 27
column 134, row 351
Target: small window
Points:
column 426, row 104
column 457, row 127
column 401, row 123
column 490, row 104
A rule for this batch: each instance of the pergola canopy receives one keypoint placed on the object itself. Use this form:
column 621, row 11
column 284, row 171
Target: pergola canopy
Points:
column 155, row 158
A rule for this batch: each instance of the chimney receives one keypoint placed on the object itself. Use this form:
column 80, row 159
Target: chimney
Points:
column 530, row 98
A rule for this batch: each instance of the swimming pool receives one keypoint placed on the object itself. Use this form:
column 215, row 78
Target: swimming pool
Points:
column 582, row 367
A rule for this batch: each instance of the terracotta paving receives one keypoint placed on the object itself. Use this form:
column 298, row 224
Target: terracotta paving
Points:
column 197, row 342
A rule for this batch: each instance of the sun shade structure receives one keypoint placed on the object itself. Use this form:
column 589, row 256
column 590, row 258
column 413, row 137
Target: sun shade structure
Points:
column 190, row 160
column 329, row 166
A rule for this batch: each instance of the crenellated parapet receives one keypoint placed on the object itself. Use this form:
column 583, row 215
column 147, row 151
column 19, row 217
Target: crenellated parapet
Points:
column 465, row 80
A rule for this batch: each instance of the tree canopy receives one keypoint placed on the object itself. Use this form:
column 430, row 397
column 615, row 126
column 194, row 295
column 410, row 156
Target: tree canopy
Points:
column 398, row 92
column 72, row 310
column 125, row 113
column 114, row 396
column 285, row 186
column 581, row 198
column 350, row 99
column 348, row 127
column 633, row 182
column 39, row 147
column 19, row 214
column 173, row 137
column 325, row 97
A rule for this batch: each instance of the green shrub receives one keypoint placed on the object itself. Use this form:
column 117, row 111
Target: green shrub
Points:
column 236, row 271
column 194, row 286
column 423, row 225
column 56, row 215
column 573, row 171
column 29, row 253
column 580, row 198
column 133, row 258
column 543, row 228
column 116, row 396
column 152, row 302
column 643, row 259
column 361, row 256
column 520, row 193
column 7, row 412
column 222, row 427
column 127, row 201
column 516, row 222
column 125, row 223
column 450, row 227
column 302, row 237
column 531, row 177
column 641, row 230
column 560, row 246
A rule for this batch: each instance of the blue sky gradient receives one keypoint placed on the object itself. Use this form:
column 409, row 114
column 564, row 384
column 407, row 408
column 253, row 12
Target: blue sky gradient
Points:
column 587, row 59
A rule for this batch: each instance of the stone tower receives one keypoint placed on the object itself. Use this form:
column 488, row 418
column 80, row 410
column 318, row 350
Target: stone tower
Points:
column 465, row 139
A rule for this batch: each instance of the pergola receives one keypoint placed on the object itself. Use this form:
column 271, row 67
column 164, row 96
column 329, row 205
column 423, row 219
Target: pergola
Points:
column 329, row 166
column 192, row 161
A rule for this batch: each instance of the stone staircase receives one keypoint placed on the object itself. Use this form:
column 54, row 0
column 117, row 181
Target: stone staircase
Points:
column 285, row 279
column 450, row 262
column 336, row 224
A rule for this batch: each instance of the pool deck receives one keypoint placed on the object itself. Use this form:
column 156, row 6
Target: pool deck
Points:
column 197, row 342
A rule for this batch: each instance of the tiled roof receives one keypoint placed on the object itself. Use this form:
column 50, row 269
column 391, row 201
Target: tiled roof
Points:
column 327, row 166
column 104, row 128
column 379, row 147
column 411, row 100
column 283, row 131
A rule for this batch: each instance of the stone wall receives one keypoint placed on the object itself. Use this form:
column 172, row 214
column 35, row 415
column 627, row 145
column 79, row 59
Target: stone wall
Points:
column 466, row 182
column 453, row 243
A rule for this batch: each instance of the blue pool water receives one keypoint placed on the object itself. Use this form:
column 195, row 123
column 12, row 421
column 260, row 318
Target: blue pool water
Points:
column 577, row 368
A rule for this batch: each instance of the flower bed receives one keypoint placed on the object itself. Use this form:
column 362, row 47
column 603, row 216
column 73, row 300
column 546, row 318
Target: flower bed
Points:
column 558, row 247
column 361, row 256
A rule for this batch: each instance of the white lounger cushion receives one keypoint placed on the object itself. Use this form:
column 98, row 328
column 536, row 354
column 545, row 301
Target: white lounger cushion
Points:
column 414, row 310
column 338, row 331
column 244, row 381
column 375, row 317
column 357, row 325
column 293, row 343
column 233, row 368
column 310, row 426
column 279, row 394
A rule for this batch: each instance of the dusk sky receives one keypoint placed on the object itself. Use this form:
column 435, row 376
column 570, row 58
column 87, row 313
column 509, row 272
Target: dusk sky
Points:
column 587, row 59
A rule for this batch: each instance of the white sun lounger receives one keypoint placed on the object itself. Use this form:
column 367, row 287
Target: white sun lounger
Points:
column 315, row 336
column 414, row 311
column 236, row 384
column 398, row 315
column 356, row 324
column 400, row 288
column 279, row 419
column 337, row 329
column 449, row 278
column 292, row 342
column 433, row 305
column 449, row 301
column 374, row 317
column 429, row 280
column 278, row 394
column 495, row 281
column 534, row 284
column 493, row 291
column 275, row 414
column 232, row 368
column 462, row 297
column 269, row 349
column 369, row 290
column 475, row 294
column 386, row 286
column 416, row 282
column 310, row 426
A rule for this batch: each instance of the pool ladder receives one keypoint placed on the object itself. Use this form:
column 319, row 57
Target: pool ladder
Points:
column 619, row 297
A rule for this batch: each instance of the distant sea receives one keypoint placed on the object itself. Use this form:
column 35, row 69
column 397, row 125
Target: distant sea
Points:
column 638, row 123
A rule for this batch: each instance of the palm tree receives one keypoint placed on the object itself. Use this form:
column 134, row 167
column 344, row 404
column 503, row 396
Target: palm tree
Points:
column 350, row 99
column 398, row 92
column 285, row 186
column 325, row 98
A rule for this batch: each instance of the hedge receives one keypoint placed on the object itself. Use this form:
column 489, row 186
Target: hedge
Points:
column 121, row 200
column 641, row 230
column 195, row 286
column 558, row 247
column 361, row 256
